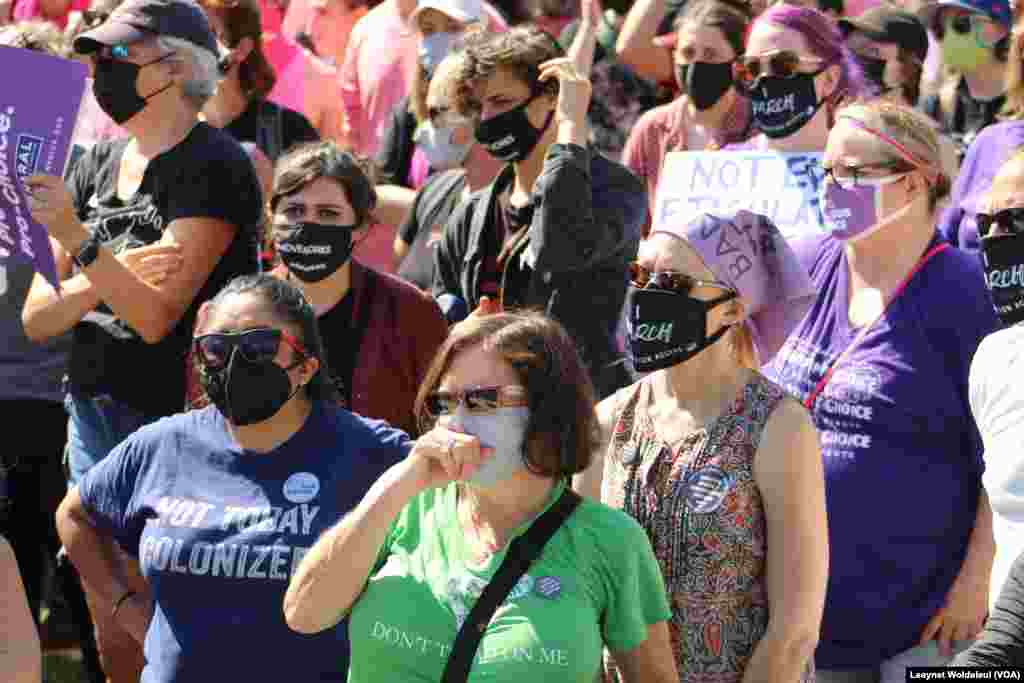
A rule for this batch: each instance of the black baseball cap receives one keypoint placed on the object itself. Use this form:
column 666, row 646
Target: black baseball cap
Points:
column 136, row 20
column 889, row 24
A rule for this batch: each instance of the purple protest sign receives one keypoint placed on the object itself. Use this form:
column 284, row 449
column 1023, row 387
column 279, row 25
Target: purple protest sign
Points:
column 38, row 111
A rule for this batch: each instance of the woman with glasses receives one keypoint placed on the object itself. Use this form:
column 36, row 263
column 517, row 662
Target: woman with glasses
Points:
column 796, row 71
column 322, row 204
column 219, row 505
column 974, row 39
column 709, row 113
column 721, row 469
column 881, row 360
column 993, row 146
column 509, row 417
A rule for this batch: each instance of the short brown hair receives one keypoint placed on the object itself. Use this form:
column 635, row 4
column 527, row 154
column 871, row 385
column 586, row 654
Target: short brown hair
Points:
column 241, row 19
column 521, row 50
column 305, row 163
column 562, row 433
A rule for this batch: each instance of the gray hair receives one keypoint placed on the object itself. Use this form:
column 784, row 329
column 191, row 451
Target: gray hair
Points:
column 203, row 81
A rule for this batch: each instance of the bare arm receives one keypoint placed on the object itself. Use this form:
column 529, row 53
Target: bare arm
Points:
column 20, row 657
column 652, row 661
column 581, row 52
column 393, row 203
column 789, row 473
column 335, row 570
column 635, row 47
column 151, row 310
column 588, row 482
column 97, row 558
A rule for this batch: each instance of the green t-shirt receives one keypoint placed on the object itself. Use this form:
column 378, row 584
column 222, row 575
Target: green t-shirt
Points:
column 596, row 584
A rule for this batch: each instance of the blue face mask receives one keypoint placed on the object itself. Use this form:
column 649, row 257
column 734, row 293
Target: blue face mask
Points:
column 434, row 48
column 438, row 146
column 504, row 430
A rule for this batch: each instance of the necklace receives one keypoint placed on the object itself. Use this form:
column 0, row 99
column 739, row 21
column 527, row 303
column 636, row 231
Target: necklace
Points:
column 482, row 547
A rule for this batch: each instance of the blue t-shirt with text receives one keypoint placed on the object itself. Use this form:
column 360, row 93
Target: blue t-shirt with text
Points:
column 901, row 452
column 218, row 532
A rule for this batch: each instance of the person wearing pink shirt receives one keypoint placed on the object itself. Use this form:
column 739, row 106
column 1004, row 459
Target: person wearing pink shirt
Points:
column 379, row 66
column 327, row 23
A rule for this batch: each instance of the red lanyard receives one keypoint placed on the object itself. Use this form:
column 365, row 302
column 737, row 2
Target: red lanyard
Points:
column 823, row 382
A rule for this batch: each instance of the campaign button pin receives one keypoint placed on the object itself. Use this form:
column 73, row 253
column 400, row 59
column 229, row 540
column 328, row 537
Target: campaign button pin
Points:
column 301, row 487
column 629, row 452
column 549, row 587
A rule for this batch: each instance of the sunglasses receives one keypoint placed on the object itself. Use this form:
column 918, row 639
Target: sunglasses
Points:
column 985, row 30
column 257, row 346
column 1009, row 221
column 781, row 63
column 477, row 401
column 668, row 280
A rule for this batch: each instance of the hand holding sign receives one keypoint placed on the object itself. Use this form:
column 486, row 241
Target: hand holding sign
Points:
column 51, row 206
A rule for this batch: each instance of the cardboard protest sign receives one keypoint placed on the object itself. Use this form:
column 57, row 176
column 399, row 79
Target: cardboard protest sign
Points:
column 38, row 111
column 783, row 187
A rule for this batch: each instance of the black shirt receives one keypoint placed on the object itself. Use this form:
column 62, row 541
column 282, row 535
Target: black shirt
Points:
column 272, row 128
column 423, row 225
column 394, row 159
column 207, row 175
column 336, row 331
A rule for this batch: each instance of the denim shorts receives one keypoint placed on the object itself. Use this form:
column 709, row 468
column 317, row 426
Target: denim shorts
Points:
column 95, row 426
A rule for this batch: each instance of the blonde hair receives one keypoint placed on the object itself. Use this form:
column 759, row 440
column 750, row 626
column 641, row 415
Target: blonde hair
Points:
column 912, row 131
column 743, row 348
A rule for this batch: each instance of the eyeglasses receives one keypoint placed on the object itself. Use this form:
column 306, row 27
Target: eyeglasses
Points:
column 1009, row 221
column 641, row 276
column 781, row 63
column 478, row 401
column 257, row 346
column 850, row 176
column 987, row 32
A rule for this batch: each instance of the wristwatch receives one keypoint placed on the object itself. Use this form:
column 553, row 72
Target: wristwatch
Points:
column 87, row 252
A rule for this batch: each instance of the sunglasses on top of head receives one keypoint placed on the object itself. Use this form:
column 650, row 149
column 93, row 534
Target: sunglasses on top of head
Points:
column 1009, row 222
column 478, row 401
column 746, row 70
column 668, row 280
column 257, row 346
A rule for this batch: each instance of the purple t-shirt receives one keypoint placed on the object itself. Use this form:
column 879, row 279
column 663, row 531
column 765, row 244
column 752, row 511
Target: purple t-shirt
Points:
column 993, row 146
column 901, row 452
column 219, row 531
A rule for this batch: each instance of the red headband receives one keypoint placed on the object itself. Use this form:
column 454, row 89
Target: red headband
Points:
column 926, row 167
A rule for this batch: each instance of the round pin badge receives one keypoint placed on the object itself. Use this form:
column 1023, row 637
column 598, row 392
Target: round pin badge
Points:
column 301, row 487
column 548, row 587
column 629, row 452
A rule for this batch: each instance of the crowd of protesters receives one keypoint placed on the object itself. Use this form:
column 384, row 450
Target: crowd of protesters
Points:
column 373, row 357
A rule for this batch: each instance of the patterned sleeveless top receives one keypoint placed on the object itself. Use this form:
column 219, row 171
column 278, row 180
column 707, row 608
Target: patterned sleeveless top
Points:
column 703, row 513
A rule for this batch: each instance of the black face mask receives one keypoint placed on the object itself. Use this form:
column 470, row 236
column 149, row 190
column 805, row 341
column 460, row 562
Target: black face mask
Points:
column 874, row 71
column 510, row 136
column 314, row 251
column 246, row 392
column 782, row 106
column 1003, row 258
column 114, row 88
column 704, row 82
column 666, row 328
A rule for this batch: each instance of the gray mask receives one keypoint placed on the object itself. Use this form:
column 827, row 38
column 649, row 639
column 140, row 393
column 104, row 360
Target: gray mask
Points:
column 439, row 149
column 504, row 430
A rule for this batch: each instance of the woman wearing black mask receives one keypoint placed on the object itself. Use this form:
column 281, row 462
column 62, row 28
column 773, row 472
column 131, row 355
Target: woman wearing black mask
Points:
column 796, row 71
column 559, row 225
column 178, row 186
column 322, row 204
column 719, row 466
column 709, row 113
column 219, row 505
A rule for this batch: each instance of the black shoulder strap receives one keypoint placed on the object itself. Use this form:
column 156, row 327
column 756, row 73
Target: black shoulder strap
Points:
column 521, row 554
